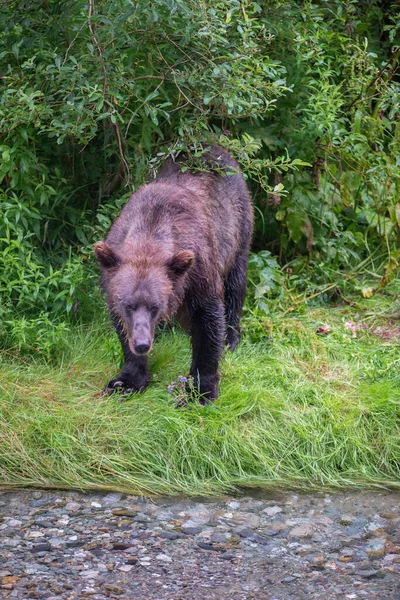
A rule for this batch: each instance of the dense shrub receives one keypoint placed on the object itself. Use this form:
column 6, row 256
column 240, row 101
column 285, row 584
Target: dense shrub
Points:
column 96, row 94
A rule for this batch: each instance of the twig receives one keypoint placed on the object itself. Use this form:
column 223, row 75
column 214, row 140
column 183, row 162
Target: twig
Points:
column 308, row 298
column 121, row 146
column 175, row 81
column 71, row 44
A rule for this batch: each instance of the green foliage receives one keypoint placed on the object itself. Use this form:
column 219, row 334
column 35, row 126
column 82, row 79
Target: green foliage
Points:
column 342, row 65
column 297, row 409
column 96, row 95
column 40, row 335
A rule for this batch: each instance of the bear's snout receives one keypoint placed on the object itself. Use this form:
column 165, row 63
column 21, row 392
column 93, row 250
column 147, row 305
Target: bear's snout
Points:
column 140, row 346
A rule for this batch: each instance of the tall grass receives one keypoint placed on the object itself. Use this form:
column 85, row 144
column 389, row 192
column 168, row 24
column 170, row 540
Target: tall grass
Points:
column 299, row 410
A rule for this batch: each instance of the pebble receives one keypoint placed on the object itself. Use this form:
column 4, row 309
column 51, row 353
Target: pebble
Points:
column 304, row 530
column 72, row 506
column 125, row 568
column 164, row 557
column 284, row 547
column 233, row 505
column 376, row 549
column 13, row 523
column 271, row 511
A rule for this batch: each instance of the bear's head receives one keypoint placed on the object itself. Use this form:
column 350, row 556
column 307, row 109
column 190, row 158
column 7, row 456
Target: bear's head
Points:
column 140, row 285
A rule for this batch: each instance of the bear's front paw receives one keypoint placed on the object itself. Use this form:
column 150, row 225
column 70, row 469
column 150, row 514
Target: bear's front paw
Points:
column 126, row 384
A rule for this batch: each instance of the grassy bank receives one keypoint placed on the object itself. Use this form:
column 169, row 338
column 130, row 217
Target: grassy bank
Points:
column 297, row 408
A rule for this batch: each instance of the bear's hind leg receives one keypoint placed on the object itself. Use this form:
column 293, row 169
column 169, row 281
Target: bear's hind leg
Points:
column 207, row 332
column 234, row 294
column 135, row 375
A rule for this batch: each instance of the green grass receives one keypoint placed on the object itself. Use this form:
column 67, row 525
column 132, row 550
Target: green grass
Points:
column 299, row 410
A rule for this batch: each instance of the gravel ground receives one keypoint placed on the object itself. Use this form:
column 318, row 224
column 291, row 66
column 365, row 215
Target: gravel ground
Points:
column 270, row 547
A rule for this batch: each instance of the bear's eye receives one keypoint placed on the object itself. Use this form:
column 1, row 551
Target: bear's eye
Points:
column 132, row 307
column 154, row 311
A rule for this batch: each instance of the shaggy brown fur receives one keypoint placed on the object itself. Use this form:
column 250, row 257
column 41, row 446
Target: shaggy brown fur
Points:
column 179, row 249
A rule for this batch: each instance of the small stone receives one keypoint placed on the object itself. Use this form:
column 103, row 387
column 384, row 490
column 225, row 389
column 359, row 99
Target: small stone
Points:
column 367, row 573
column 113, row 589
column 9, row 579
column 72, row 506
column 124, row 512
column 191, row 530
column 271, row 511
column 31, row 568
column 121, row 545
column 141, row 518
column 205, row 546
column 74, row 544
column 164, row 557
column 318, row 561
column 376, row 549
column 46, row 524
column 375, row 529
column 14, row 523
column 273, row 529
column 303, row 530
column 170, row 535
column 132, row 560
column 347, row 519
column 34, row 534
column 389, row 515
column 92, row 574
column 125, row 568
column 88, row 591
column 251, row 521
column 359, row 556
column 112, row 498
column 253, row 536
column 40, row 502
column 196, row 521
column 392, row 548
column 44, row 547
column 218, row 538
column 245, row 533
column 233, row 505
column 11, row 543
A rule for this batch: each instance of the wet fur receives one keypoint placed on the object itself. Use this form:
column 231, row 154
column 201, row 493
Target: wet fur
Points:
column 184, row 238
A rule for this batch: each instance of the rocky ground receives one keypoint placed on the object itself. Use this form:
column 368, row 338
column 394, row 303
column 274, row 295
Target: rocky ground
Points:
column 70, row 545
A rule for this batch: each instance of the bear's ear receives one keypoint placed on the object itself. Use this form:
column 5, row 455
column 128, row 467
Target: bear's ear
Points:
column 180, row 263
column 106, row 256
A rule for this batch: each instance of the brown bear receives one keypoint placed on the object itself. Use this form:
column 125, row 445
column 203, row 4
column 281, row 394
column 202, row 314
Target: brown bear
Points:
column 180, row 249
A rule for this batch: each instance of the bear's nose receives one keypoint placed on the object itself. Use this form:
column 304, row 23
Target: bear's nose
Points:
column 142, row 347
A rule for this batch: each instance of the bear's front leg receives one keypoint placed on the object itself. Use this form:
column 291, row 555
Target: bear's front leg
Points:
column 135, row 375
column 207, row 331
